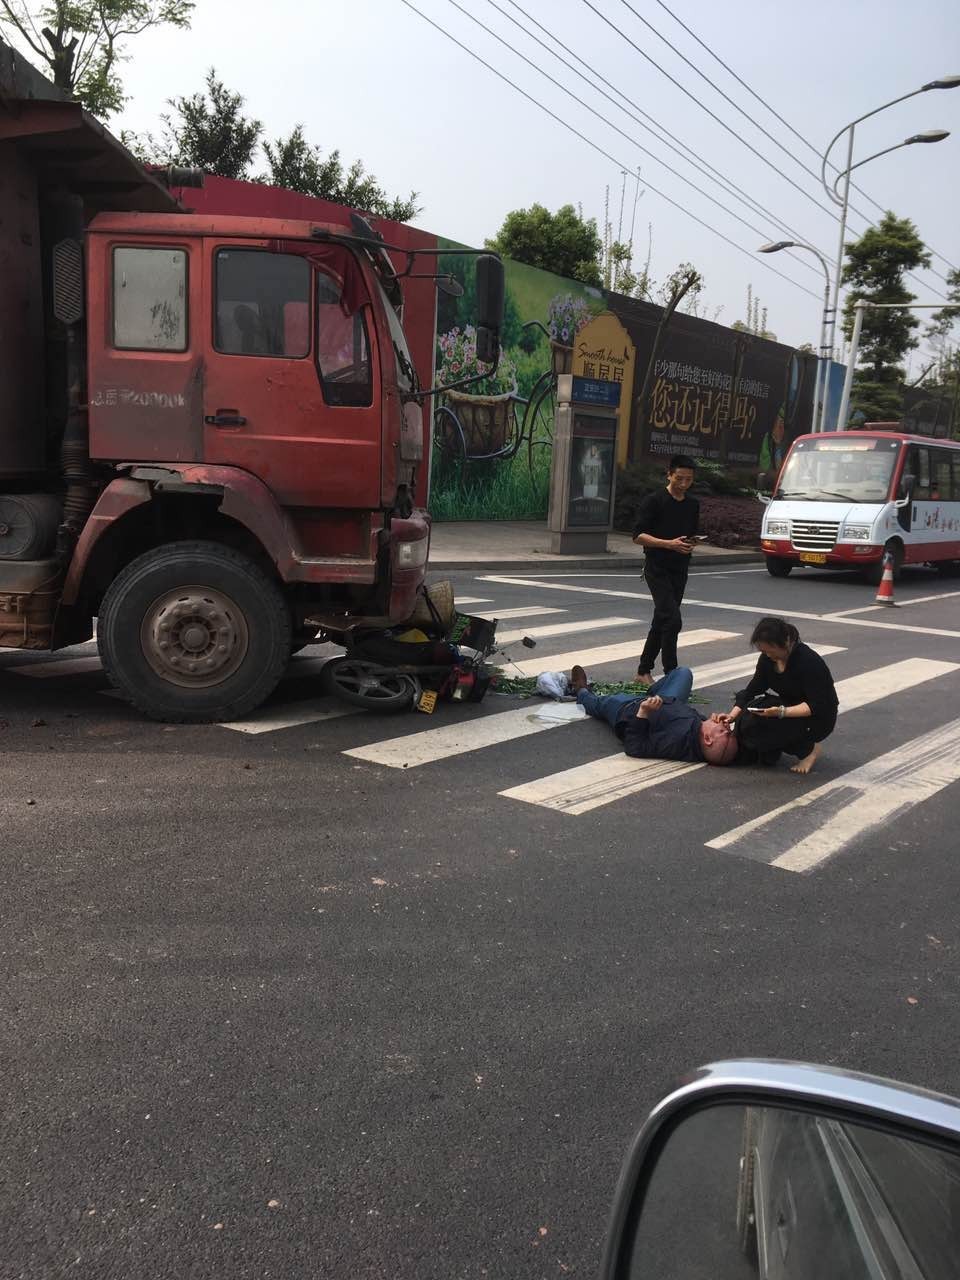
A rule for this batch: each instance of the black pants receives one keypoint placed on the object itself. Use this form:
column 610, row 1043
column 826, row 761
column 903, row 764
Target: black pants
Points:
column 765, row 739
column 667, row 585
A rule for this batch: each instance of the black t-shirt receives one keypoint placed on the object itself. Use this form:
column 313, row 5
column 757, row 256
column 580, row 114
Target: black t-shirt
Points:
column 806, row 678
column 664, row 517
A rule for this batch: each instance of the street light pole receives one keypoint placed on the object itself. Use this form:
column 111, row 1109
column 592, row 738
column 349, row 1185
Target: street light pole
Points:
column 859, row 308
column 823, row 355
column 947, row 82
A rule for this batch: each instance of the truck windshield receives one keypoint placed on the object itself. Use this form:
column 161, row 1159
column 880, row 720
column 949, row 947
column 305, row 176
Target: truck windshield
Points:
column 839, row 470
column 406, row 374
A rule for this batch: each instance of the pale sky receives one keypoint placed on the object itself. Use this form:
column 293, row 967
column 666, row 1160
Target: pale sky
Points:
column 375, row 80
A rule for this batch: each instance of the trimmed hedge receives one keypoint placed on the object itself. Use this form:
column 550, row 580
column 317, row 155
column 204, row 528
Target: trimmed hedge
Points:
column 730, row 513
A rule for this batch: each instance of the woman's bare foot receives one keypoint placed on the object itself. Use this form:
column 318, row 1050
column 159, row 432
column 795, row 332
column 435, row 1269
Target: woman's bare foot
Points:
column 807, row 763
column 644, row 677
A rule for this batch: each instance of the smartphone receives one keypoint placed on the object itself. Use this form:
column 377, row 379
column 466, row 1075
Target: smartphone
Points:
column 695, row 537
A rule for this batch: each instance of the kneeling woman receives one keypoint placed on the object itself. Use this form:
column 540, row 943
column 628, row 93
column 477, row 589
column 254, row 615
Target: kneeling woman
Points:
column 807, row 711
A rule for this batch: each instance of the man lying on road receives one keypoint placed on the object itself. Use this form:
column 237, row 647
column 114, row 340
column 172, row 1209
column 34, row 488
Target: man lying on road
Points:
column 661, row 724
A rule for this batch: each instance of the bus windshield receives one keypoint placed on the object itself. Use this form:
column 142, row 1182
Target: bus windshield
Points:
column 839, row 470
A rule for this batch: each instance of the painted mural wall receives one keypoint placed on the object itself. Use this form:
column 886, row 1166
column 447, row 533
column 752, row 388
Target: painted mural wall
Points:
column 722, row 396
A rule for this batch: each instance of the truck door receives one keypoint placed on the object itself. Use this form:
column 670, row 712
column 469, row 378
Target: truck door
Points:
column 292, row 392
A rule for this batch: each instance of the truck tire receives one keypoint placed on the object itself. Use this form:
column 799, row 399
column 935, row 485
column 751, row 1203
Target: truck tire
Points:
column 194, row 633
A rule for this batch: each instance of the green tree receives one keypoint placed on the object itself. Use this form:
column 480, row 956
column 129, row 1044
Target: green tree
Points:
column 208, row 131
column 561, row 242
column 296, row 164
column 874, row 271
column 80, row 43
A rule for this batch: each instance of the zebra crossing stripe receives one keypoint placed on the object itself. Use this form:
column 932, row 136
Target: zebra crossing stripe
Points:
column 564, row 629
column 453, row 739
column 590, row 658
column 851, row 806
column 589, row 786
column 271, row 719
column 526, row 611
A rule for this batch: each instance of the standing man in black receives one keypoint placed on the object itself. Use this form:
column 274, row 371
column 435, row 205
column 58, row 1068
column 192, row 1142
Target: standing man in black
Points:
column 667, row 524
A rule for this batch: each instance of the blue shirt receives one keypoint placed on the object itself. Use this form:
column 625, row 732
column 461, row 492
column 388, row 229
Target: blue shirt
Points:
column 672, row 733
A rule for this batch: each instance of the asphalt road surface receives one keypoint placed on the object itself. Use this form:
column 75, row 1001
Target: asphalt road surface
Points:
column 328, row 994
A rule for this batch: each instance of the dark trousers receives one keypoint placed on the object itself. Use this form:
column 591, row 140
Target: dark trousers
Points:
column 667, row 586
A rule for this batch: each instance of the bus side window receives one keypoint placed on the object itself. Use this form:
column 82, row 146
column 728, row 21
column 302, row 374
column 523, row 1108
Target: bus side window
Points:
column 943, row 489
column 918, row 465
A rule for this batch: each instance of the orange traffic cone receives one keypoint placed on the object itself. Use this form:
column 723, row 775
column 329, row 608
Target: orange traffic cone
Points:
column 885, row 593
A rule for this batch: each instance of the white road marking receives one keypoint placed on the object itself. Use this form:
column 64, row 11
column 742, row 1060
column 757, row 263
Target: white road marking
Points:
column 471, row 600
column 943, row 595
column 68, row 667
column 730, row 608
column 850, row 806
column 531, row 611
column 608, row 654
column 565, row 629
column 588, row 786
column 453, row 739
column 273, row 719
column 884, row 682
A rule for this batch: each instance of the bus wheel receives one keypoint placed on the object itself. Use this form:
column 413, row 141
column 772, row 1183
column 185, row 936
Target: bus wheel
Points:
column 777, row 567
column 194, row 633
column 948, row 568
column 874, row 572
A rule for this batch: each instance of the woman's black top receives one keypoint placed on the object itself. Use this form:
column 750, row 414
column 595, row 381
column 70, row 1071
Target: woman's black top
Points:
column 805, row 678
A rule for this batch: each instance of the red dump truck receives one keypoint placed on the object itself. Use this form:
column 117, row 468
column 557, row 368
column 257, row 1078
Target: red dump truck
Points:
column 210, row 427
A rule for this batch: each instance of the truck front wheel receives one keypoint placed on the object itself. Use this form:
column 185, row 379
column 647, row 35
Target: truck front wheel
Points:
column 194, row 633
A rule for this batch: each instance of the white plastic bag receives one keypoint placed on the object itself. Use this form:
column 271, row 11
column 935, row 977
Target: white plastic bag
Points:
column 553, row 684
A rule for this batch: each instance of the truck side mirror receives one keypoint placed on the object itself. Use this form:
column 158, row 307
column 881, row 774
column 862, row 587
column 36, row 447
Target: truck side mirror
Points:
column 490, row 291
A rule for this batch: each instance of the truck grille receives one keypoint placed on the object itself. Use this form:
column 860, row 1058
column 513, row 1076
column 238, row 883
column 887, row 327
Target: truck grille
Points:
column 815, row 535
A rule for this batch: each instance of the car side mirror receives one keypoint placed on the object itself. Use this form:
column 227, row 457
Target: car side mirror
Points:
column 771, row 1168
column 490, row 292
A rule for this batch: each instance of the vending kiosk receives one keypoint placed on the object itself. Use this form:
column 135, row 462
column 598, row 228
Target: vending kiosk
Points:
column 583, row 475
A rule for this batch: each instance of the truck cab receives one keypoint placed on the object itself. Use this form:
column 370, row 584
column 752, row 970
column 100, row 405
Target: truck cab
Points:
column 210, row 436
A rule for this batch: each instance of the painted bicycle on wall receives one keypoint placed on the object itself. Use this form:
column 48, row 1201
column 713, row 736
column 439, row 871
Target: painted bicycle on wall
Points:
column 496, row 428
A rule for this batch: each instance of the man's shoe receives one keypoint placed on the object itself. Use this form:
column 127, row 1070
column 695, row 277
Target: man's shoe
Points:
column 578, row 679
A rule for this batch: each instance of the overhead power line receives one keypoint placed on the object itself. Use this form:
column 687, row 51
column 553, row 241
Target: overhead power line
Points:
column 713, row 115
column 703, row 107
column 776, row 114
column 760, row 231
column 691, row 157
column 602, row 150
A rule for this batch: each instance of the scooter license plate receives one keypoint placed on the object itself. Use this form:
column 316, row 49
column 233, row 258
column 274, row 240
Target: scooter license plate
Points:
column 812, row 557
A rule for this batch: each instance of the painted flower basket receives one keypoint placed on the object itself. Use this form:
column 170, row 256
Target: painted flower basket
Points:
column 562, row 357
column 485, row 421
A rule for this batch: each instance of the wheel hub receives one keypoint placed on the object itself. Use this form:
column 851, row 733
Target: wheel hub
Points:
column 194, row 637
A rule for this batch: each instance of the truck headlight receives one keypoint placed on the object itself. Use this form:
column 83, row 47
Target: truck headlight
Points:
column 777, row 529
column 410, row 555
column 857, row 532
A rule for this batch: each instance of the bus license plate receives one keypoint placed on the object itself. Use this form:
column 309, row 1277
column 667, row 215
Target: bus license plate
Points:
column 812, row 557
